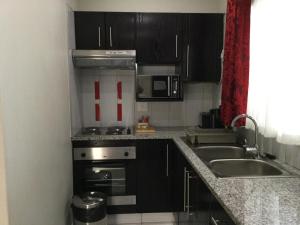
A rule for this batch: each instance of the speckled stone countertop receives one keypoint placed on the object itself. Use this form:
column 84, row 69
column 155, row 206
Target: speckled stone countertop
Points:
column 248, row 201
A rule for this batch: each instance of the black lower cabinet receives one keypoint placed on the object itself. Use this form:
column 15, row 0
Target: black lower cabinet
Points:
column 218, row 215
column 196, row 199
column 153, row 176
column 166, row 182
column 191, row 197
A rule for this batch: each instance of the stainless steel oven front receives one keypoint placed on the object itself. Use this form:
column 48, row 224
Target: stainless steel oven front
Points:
column 107, row 169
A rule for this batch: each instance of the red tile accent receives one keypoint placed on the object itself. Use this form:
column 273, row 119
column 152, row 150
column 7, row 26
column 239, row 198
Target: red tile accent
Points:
column 119, row 107
column 97, row 112
column 97, row 89
column 119, row 112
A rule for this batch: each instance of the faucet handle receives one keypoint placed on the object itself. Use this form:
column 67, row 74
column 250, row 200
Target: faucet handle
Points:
column 245, row 143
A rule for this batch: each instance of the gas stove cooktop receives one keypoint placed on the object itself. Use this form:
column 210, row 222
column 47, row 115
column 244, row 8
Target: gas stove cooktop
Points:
column 114, row 130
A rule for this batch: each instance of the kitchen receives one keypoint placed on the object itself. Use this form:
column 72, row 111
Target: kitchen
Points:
column 36, row 118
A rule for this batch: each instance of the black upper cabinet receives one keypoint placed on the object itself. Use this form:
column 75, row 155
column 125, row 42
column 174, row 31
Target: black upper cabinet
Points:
column 89, row 30
column 120, row 30
column 98, row 30
column 203, row 44
column 159, row 38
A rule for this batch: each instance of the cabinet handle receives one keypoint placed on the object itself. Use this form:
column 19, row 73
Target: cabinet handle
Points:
column 136, row 69
column 214, row 221
column 167, row 168
column 189, row 177
column 110, row 37
column 187, row 60
column 99, row 36
column 169, row 88
column 184, row 190
column 176, row 50
column 188, row 193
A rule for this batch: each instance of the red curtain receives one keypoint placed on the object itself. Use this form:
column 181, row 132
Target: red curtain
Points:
column 236, row 60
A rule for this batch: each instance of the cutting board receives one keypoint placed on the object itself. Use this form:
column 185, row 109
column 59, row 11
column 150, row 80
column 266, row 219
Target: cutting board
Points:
column 148, row 130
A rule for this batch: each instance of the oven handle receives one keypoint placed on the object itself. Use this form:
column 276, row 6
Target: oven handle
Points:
column 169, row 88
column 105, row 153
column 109, row 185
column 103, row 180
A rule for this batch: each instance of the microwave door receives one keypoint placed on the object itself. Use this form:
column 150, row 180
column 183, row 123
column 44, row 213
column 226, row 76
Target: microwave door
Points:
column 160, row 86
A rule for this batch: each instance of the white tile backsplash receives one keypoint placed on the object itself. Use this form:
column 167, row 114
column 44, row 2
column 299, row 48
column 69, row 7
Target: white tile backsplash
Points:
column 198, row 97
column 108, row 97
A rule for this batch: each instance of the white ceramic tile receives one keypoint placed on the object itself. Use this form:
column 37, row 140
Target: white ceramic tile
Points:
column 159, row 114
column 157, row 70
column 125, row 219
column 159, row 217
column 160, row 223
column 292, row 154
column 108, row 100
column 192, row 108
column 279, row 150
column 176, row 114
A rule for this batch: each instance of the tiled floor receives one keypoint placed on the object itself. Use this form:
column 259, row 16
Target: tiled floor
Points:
column 145, row 218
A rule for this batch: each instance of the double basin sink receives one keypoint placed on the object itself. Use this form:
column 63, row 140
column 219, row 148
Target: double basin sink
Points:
column 233, row 161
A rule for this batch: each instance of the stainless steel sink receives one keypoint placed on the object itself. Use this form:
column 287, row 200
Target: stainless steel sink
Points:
column 243, row 168
column 208, row 153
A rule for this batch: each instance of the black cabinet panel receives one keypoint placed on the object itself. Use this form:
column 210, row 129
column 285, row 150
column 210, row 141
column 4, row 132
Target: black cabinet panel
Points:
column 159, row 38
column 120, row 30
column 178, row 179
column 218, row 214
column 203, row 44
column 99, row 30
column 89, row 30
column 153, row 179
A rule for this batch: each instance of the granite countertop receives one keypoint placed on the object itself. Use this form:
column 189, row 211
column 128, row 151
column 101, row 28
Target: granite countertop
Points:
column 248, row 201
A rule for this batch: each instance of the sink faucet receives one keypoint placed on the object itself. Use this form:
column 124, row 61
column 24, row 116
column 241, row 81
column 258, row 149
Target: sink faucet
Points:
column 255, row 148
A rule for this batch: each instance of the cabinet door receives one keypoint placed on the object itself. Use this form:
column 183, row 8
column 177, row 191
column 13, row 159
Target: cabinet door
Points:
column 153, row 177
column 191, row 197
column 203, row 47
column 178, row 180
column 159, row 38
column 218, row 215
column 120, row 30
column 89, row 30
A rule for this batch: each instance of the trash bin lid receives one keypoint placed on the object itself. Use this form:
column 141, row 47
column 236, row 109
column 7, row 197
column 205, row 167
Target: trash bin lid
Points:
column 88, row 200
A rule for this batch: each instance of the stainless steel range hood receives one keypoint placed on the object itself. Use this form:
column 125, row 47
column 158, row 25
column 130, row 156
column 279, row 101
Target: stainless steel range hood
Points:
column 106, row 59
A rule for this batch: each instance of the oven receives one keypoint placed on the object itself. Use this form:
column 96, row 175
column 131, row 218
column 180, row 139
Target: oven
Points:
column 108, row 167
column 158, row 87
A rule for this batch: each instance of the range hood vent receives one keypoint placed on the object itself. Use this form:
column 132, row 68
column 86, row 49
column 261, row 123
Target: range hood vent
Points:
column 104, row 59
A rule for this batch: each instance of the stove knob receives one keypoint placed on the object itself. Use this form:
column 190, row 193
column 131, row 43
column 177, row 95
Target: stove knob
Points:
column 126, row 154
column 83, row 155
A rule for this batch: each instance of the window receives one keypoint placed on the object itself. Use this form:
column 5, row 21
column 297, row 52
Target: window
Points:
column 274, row 81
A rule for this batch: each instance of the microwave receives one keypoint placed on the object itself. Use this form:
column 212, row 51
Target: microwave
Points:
column 158, row 88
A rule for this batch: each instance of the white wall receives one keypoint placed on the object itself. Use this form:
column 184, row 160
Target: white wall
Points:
column 34, row 97
column 153, row 5
column 3, row 192
column 74, row 80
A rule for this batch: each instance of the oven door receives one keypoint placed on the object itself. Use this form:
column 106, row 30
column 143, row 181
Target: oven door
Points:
column 149, row 86
column 161, row 86
column 108, row 178
column 116, row 179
